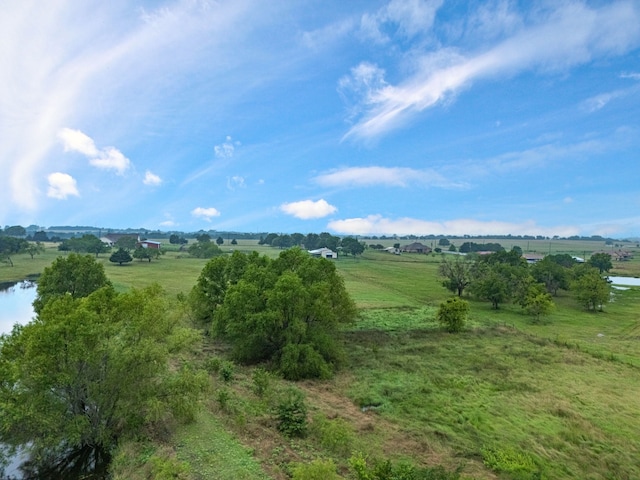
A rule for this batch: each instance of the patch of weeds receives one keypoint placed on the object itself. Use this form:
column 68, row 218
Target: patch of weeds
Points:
column 291, row 413
column 505, row 459
column 226, row 371
column 261, row 382
column 334, row 435
column 316, row 470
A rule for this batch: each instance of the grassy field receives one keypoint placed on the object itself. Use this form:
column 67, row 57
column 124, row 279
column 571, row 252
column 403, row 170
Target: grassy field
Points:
column 505, row 399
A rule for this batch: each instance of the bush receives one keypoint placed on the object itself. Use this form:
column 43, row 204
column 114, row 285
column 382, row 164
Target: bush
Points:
column 226, row 371
column 292, row 414
column 300, row 361
column 452, row 314
column 334, row 435
column 316, row 470
column 261, row 382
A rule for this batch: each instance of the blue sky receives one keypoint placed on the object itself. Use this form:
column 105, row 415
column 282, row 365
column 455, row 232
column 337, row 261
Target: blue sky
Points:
column 352, row 117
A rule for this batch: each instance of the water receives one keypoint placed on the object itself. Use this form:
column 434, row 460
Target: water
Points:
column 15, row 304
column 625, row 281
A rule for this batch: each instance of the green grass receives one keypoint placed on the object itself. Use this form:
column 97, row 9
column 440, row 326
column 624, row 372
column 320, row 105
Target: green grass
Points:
column 506, row 398
column 212, row 452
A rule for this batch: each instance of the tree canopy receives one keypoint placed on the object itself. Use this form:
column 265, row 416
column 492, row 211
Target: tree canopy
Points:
column 75, row 275
column 90, row 371
column 285, row 311
column 120, row 256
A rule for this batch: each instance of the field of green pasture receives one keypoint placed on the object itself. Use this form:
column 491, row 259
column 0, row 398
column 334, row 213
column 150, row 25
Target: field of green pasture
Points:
column 505, row 399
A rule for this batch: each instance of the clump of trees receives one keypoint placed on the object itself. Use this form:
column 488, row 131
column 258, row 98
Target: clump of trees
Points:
column 86, row 244
column 286, row 311
column 94, row 367
column 505, row 277
column 204, row 248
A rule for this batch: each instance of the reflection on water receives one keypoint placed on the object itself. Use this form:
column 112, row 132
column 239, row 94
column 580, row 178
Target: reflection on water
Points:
column 87, row 463
column 15, row 304
column 625, row 281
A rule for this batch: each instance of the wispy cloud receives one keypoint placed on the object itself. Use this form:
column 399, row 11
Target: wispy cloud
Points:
column 206, row 213
column 597, row 102
column 308, row 209
column 61, row 186
column 108, row 158
column 225, row 150
column 405, row 18
column 151, row 179
column 386, row 176
column 235, row 182
column 378, row 225
column 569, row 35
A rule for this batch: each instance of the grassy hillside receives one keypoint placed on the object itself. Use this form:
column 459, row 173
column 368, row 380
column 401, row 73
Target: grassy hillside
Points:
column 504, row 399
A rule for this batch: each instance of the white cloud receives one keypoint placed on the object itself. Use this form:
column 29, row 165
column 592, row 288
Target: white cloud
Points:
column 389, row 176
column 632, row 75
column 108, row 158
column 378, row 225
column 76, row 141
column 235, row 182
column 405, row 18
column 308, row 209
column 61, row 185
column 597, row 102
column 224, row 150
column 111, row 159
column 206, row 213
column 570, row 35
column 151, row 179
column 168, row 223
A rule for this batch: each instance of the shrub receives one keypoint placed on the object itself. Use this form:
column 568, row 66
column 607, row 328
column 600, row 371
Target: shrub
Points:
column 226, row 371
column 452, row 314
column 334, row 435
column 316, row 470
column 261, row 382
column 292, row 414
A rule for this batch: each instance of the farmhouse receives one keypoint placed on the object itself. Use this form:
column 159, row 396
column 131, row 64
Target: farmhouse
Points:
column 532, row 257
column 323, row 252
column 416, row 247
column 149, row 244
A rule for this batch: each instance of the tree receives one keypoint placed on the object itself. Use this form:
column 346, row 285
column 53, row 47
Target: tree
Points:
column 40, row 236
column 491, row 283
column 34, row 249
column 75, row 275
column 219, row 240
column 287, row 311
column 538, row 304
column 127, row 243
column 457, row 274
column 552, row 274
column 10, row 246
column 591, row 290
column 234, row 242
column 351, row 246
column 203, row 237
column 89, row 372
column 142, row 253
column 204, row 250
column 177, row 239
column 15, row 231
column 601, row 261
column 443, row 242
column 452, row 314
column 120, row 256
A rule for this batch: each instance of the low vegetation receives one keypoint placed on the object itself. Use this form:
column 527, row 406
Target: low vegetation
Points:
column 522, row 390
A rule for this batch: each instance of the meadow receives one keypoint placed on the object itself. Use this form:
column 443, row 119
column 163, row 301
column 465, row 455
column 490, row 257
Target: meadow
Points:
column 506, row 398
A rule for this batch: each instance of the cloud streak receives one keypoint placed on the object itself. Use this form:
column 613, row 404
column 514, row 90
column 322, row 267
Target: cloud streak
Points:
column 384, row 176
column 570, row 35
column 379, row 225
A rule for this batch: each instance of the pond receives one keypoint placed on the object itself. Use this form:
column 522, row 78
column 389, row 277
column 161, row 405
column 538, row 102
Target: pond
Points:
column 625, row 281
column 15, row 304
column 15, row 308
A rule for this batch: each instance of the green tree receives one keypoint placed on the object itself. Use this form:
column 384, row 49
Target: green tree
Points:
column 120, row 256
column 203, row 237
column 552, row 274
column 591, row 290
column 15, row 231
column 89, row 372
column 10, row 246
column 148, row 254
column 219, row 240
column 601, row 261
column 34, row 249
column 204, row 250
column 491, row 283
column 288, row 311
column 351, row 246
column 127, row 243
column 74, row 275
column 457, row 274
column 452, row 314
column 538, row 304
column 234, row 242
column 443, row 242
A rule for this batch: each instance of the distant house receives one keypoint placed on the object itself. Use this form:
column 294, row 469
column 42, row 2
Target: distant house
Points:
column 111, row 238
column 532, row 257
column 149, row 244
column 323, row 253
column 617, row 255
column 416, row 247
